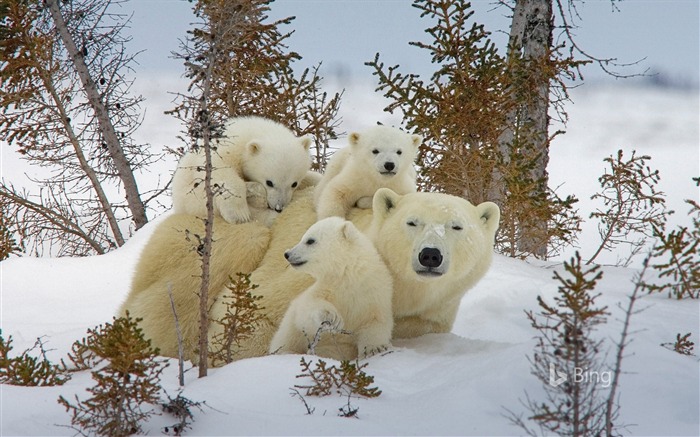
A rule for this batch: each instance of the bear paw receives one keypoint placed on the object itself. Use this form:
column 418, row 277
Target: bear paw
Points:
column 256, row 195
column 317, row 322
column 326, row 321
column 235, row 210
column 320, row 320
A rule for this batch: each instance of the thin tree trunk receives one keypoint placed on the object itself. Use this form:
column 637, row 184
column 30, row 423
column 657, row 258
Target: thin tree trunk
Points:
column 505, row 140
column 537, row 42
column 116, row 152
column 206, row 258
column 530, row 37
column 536, row 46
column 84, row 165
column 205, row 120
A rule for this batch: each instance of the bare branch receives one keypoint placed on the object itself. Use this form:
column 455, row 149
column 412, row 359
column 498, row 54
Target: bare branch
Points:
column 612, row 404
column 65, row 104
column 180, row 350
column 603, row 63
column 102, row 115
column 61, row 221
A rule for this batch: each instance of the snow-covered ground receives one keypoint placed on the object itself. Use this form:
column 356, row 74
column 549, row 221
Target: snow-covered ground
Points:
column 458, row 383
column 451, row 384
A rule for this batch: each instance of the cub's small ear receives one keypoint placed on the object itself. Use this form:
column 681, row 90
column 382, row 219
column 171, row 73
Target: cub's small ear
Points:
column 354, row 139
column 306, row 142
column 417, row 140
column 254, row 147
column 384, row 202
column 490, row 215
column 348, row 231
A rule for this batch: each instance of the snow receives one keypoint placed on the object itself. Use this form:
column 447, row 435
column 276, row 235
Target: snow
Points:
column 449, row 384
column 440, row 384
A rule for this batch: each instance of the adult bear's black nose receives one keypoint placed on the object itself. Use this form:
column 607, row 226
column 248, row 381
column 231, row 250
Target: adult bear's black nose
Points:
column 430, row 257
column 389, row 166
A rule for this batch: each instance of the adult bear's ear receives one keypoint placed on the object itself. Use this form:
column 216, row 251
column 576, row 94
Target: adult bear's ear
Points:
column 490, row 215
column 384, row 202
column 253, row 147
column 354, row 139
column 306, row 142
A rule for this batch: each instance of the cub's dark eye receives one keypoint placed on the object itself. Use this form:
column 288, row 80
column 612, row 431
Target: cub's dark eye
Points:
column 270, row 184
column 375, row 152
column 398, row 152
column 412, row 223
column 310, row 241
column 294, row 185
column 457, row 227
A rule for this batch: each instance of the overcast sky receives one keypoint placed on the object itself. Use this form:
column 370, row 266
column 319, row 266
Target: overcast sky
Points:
column 343, row 34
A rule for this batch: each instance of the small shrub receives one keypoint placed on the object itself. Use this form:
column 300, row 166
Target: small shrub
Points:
column 80, row 357
column 678, row 255
column 632, row 206
column 181, row 408
column 356, row 381
column 323, row 378
column 27, row 370
column 128, row 379
column 682, row 345
column 349, row 379
column 239, row 322
column 565, row 345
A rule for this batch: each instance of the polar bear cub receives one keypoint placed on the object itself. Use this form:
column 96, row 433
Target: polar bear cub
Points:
column 252, row 150
column 352, row 292
column 380, row 157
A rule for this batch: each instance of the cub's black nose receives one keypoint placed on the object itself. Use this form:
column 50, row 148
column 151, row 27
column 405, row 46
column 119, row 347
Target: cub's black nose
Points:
column 286, row 255
column 430, row 257
column 278, row 208
column 389, row 166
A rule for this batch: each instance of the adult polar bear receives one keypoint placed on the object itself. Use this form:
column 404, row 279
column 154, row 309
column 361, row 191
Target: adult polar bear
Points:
column 436, row 247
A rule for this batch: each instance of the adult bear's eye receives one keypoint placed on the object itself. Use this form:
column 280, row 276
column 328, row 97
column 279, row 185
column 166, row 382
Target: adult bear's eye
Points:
column 375, row 152
column 457, row 227
column 398, row 152
column 412, row 223
column 270, row 184
column 310, row 241
column 294, row 185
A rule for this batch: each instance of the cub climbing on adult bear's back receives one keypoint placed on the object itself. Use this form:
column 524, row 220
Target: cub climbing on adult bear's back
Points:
column 379, row 157
column 251, row 150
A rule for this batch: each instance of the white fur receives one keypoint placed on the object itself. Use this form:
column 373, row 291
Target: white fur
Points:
column 252, row 149
column 437, row 247
column 378, row 157
column 425, row 298
column 352, row 291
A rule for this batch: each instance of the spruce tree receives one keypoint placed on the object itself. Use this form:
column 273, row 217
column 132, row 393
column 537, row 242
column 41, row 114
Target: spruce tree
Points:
column 567, row 354
column 463, row 110
column 127, row 377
